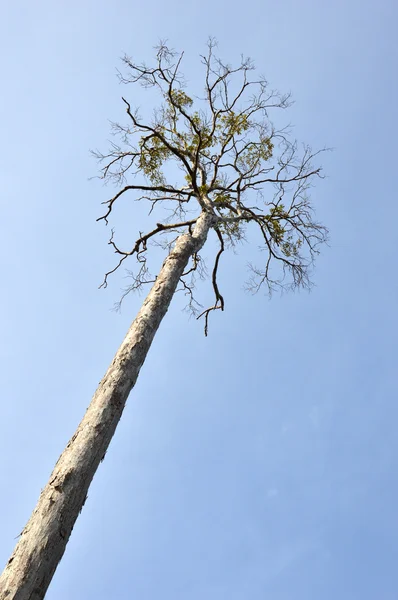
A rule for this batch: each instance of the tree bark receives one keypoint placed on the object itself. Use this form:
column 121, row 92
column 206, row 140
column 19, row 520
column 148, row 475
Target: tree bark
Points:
column 41, row 546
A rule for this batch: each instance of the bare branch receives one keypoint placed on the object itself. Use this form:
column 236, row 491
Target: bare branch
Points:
column 153, row 189
column 140, row 245
column 219, row 303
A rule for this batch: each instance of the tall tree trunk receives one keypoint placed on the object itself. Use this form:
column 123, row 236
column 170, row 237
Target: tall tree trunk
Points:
column 31, row 567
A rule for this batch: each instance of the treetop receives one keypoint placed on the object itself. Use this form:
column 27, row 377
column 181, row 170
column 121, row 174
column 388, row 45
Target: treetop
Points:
column 233, row 163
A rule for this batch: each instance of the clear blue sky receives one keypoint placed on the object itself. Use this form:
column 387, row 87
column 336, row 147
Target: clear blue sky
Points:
column 260, row 462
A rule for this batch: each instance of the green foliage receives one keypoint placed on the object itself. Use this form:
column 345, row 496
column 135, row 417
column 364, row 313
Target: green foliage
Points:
column 153, row 153
column 180, row 98
column 277, row 221
column 197, row 137
column 231, row 124
column 273, row 220
column 256, row 153
column 291, row 248
column 222, row 200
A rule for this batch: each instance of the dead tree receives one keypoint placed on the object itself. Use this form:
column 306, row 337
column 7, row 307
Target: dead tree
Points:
column 237, row 172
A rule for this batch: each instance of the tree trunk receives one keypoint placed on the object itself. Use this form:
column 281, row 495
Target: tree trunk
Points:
column 31, row 567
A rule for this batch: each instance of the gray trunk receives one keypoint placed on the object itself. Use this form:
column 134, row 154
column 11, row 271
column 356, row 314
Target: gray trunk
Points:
column 31, row 567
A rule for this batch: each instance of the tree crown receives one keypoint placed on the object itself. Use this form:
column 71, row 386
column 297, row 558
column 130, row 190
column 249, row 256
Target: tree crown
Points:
column 233, row 162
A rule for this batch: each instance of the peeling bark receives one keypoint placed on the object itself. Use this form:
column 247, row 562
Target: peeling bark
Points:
column 41, row 546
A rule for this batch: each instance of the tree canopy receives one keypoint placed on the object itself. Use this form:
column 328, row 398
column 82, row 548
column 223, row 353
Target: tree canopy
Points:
column 231, row 162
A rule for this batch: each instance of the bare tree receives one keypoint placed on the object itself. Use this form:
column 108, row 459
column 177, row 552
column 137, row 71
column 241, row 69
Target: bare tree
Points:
column 236, row 171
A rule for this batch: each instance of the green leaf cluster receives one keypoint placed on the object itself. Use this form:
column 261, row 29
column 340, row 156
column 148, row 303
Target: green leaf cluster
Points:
column 222, row 200
column 180, row 98
column 257, row 152
column 290, row 248
column 153, row 153
column 288, row 244
column 273, row 219
column 231, row 124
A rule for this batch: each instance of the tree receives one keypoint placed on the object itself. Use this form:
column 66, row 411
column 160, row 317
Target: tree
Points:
column 228, row 152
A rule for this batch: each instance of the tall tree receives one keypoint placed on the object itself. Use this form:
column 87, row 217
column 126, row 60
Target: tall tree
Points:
column 237, row 172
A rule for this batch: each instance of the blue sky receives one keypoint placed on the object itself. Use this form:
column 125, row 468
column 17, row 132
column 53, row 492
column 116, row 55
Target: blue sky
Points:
column 257, row 463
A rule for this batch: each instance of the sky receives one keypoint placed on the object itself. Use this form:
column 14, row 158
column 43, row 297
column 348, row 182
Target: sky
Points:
column 259, row 462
